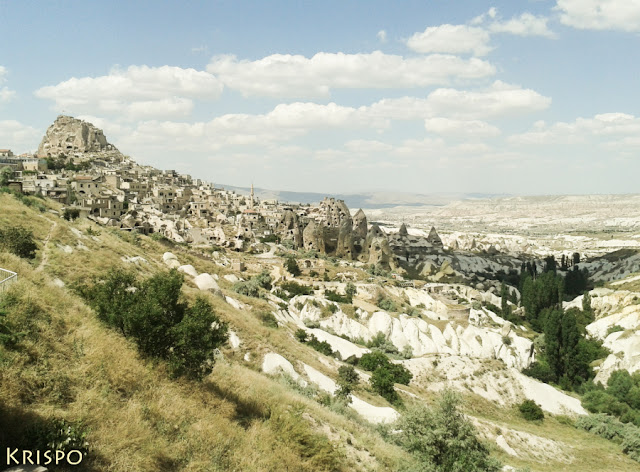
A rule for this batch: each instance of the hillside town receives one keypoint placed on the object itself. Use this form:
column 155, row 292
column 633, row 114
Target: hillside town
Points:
column 77, row 166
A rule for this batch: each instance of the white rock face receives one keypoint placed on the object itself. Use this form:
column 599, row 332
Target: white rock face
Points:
column 188, row 269
column 204, row 281
column 65, row 248
column 344, row 347
column 274, row 364
column 232, row 278
column 137, row 260
column 58, row 283
column 502, row 385
column 619, row 308
column 425, row 338
column 502, row 443
column 167, row 256
column 234, row 340
column 374, row 414
column 322, row 381
column 238, row 305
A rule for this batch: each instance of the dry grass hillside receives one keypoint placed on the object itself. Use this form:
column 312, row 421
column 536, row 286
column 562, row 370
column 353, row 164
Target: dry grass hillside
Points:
column 67, row 365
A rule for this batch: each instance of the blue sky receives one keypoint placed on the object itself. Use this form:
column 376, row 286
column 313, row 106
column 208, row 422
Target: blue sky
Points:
column 523, row 97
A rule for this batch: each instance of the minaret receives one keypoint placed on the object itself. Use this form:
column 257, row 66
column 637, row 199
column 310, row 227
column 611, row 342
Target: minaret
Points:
column 251, row 200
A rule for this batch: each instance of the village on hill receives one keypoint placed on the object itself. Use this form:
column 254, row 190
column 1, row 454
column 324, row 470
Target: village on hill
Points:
column 76, row 166
column 407, row 314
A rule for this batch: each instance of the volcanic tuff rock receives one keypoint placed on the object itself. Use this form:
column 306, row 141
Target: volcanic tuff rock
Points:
column 68, row 136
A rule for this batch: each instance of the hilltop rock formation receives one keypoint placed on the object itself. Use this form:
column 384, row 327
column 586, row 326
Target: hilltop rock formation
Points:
column 68, row 136
column 291, row 228
column 434, row 238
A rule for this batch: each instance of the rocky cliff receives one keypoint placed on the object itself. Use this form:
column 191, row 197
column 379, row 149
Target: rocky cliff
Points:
column 68, row 136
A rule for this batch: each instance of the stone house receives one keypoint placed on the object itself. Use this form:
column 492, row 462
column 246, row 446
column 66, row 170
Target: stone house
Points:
column 86, row 185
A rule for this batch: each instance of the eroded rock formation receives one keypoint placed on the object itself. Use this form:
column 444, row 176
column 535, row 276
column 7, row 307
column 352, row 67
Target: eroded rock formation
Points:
column 68, row 136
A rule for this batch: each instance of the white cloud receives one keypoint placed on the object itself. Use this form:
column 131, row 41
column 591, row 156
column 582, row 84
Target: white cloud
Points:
column 367, row 146
column 498, row 100
column 600, row 14
column 524, row 25
column 283, row 123
column 453, row 39
column 605, row 129
column 492, row 13
column 460, row 128
column 5, row 93
column 501, row 99
column 137, row 92
column 17, row 136
column 382, row 36
column 283, row 75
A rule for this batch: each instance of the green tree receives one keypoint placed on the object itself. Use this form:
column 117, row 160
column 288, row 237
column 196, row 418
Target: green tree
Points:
column 350, row 290
column 5, row 176
column 504, row 295
column 18, row 241
column 586, row 302
column 292, row 266
column 442, row 439
column 382, row 382
column 158, row 308
column 347, row 380
column 372, row 360
column 531, row 411
column 154, row 315
column 194, row 340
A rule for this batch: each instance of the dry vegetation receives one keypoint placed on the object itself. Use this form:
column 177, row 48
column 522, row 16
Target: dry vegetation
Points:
column 67, row 365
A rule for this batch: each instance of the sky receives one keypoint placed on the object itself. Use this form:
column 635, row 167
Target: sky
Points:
column 517, row 97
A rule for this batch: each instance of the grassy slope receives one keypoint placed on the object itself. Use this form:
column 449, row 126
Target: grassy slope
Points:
column 70, row 366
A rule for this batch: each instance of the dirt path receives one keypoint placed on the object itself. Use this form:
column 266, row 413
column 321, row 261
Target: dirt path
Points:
column 45, row 253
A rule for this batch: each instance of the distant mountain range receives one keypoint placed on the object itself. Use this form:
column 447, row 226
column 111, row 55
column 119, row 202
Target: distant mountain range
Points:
column 365, row 200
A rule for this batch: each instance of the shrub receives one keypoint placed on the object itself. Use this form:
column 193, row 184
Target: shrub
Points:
column 253, row 286
column 18, row 241
column 442, row 439
column 539, row 370
column 385, row 374
column 350, row 290
column 603, row 425
column 294, row 288
column 407, row 352
column 347, row 379
column 268, row 319
column 8, row 336
column 270, row 238
column 249, row 288
column 372, row 360
column 614, row 329
column 70, row 214
column 336, row 297
column 381, row 342
column 292, row 266
column 382, row 382
column 159, row 237
column 194, row 341
column 57, row 434
column 332, row 307
column 322, row 347
column 152, row 313
column 387, row 304
column 531, row 411
column 301, row 335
